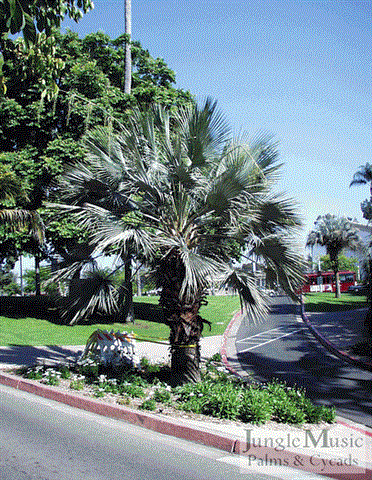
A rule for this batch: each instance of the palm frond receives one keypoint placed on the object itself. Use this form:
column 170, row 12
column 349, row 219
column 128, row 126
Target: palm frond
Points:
column 96, row 294
column 200, row 271
column 282, row 258
column 253, row 301
column 19, row 218
column 363, row 175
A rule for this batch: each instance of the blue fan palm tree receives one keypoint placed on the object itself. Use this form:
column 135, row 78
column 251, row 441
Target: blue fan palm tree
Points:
column 186, row 199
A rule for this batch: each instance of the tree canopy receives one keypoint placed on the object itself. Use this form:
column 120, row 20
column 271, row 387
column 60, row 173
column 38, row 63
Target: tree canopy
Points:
column 32, row 16
column 40, row 135
column 344, row 263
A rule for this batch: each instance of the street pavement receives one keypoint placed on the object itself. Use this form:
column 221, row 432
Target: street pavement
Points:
column 314, row 347
column 286, row 348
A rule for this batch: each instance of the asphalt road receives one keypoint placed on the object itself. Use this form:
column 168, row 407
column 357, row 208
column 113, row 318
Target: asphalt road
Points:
column 282, row 347
column 44, row 440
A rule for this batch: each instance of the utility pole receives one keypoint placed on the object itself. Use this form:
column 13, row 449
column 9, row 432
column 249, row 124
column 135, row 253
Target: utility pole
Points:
column 128, row 52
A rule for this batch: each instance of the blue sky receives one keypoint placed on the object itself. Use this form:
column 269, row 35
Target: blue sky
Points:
column 299, row 70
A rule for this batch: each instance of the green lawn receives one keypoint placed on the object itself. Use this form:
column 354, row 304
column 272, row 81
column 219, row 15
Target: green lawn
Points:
column 326, row 302
column 33, row 331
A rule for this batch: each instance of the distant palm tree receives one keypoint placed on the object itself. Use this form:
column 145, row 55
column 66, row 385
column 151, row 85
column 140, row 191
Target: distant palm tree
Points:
column 363, row 176
column 188, row 201
column 336, row 234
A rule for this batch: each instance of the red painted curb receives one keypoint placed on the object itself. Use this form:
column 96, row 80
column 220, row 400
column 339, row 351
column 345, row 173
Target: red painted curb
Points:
column 365, row 365
column 151, row 422
column 223, row 351
column 176, row 428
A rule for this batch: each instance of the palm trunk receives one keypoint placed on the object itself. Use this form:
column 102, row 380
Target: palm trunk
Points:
column 185, row 364
column 335, row 267
column 338, row 288
column 126, row 313
column 182, row 316
column 186, row 327
column 128, row 286
column 37, row 274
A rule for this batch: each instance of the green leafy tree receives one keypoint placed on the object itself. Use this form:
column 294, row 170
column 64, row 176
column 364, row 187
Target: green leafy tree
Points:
column 344, row 263
column 180, row 193
column 32, row 16
column 334, row 233
column 40, row 135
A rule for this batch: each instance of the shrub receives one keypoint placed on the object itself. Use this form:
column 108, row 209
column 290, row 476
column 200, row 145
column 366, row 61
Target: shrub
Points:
column 222, row 401
column 288, row 413
column 148, row 404
column 132, row 390
column 65, row 372
column 51, row 377
column 33, row 373
column 256, row 406
column 77, row 384
column 162, row 395
column 218, row 394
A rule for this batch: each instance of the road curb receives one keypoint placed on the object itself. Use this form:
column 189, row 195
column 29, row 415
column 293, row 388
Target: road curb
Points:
column 223, row 349
column 152, row 422
column 178, row 429
column 365, row 365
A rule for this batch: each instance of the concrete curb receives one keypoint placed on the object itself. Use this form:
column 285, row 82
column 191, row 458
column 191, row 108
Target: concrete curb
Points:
column 223, row 349
column 179, row 429
column 365, row 365
column 173, row 427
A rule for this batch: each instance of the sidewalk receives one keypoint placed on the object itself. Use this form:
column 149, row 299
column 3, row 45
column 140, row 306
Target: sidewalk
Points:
column 16, row 356
column 342, row 450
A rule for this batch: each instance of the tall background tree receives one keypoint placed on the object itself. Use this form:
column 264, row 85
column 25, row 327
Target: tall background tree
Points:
column 185, row 197
column 128, row 52
column 335, row 234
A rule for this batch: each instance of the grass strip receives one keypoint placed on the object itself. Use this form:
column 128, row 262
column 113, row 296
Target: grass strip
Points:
column 327, row 302
column 36, row 331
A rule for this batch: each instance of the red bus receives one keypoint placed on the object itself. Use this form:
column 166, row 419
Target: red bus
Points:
column 325, row 281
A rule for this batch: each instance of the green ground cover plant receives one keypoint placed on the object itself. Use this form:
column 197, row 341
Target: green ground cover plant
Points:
column 326, row 302
column 36, row 331
column 218, row 395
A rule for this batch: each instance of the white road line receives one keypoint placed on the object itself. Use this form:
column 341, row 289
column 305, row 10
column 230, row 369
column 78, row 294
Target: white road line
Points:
column 269, row 341
column 258, row 334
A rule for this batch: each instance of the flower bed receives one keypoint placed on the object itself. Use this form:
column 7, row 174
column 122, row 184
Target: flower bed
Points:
column 219, row 395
